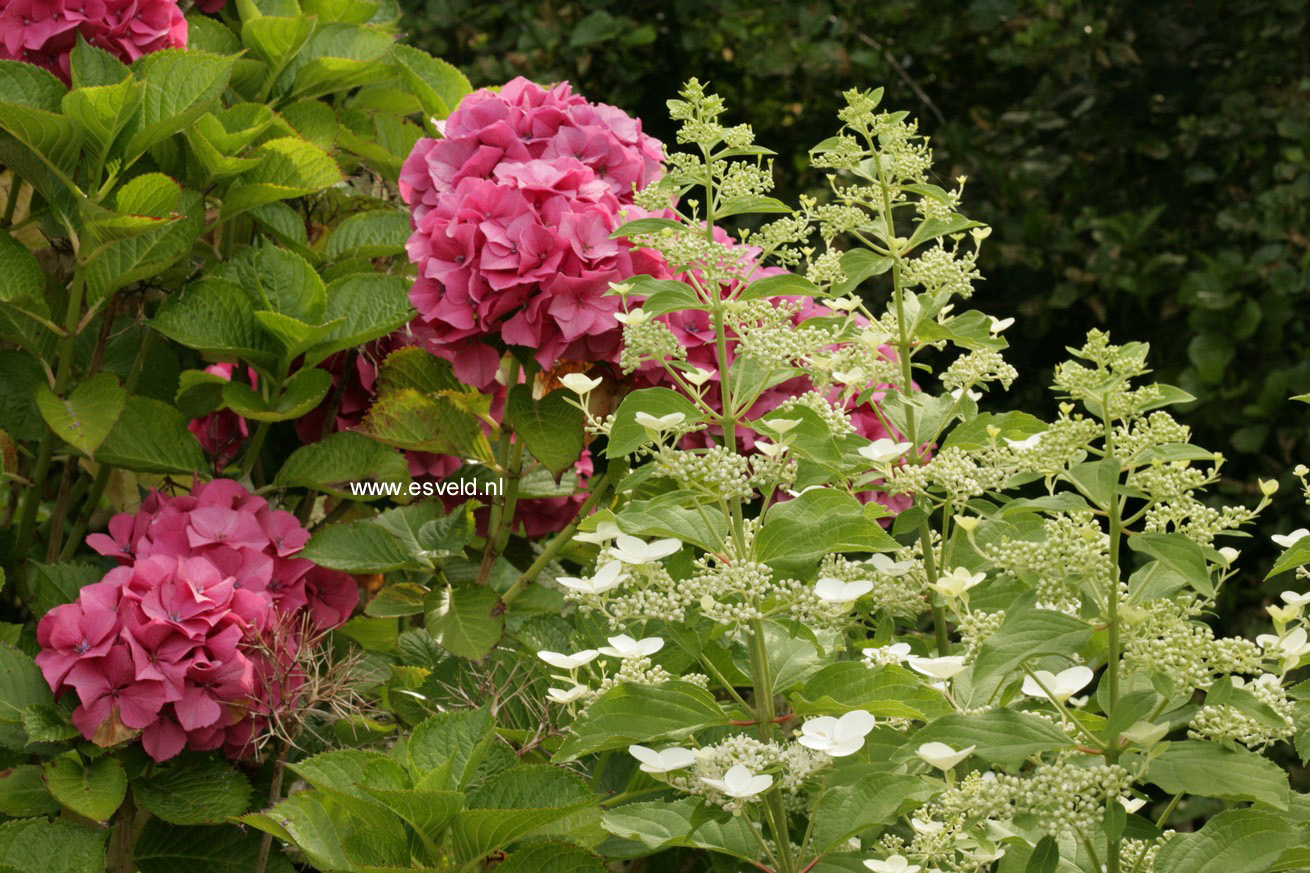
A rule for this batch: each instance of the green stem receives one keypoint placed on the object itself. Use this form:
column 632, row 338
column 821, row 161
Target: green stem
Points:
column 274, row 795
column 254, row 449
column 11, row 203
column 765, row 712
column 1115, row 509
column 599, row 488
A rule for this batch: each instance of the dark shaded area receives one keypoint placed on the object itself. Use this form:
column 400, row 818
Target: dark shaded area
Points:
column 1146, row 166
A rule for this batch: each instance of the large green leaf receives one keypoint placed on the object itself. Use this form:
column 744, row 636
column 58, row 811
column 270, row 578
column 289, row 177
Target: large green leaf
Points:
column 551, row 428
column 300, row 394
column 519, row 802
column 359, row 547
column 1002, row 736
column 1234, row 841
column 626, row 436
column 366, row 306
column 146, row 254
column 23, row 278
column 91, row 66
column 23, row 792
column 166, row 848
column 288, row 167
column 797, row 533
column 304, row 820
column 887, row 691
column 675, row 514
column 30, row 111
column 216, row 316
column 339, row 459
column 631, row 713
column 21, row 685
column 87, row 415
column 193, row 791
column 445, row 750
column 438, row 85
column 1192, row 767
column 375, row 234
column 1026, row 632
column 552, row 858
column 437, row 423
column 338, row 56
column 178, row 87
column 152, row 437
column 103, row 111
column 875, row 800
column 37, row 845
column 467, row 621
column 95, row 789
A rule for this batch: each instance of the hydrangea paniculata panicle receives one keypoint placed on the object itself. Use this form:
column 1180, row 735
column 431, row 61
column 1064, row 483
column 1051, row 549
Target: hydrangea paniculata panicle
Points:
column 512, row 212
column 44, row 32
column 192, row 640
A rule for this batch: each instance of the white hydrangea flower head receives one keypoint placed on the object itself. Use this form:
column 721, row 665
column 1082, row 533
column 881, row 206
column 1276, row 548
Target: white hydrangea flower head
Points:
column 1062, row 685
column 838, row 737
column 739, row 782
column 663, row 761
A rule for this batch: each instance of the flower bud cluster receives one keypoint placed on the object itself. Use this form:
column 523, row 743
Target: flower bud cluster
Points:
column 1226, row 723
column 899, row 592
column 940, row 270
column 978, row 367
column 952, row 472
column 1168, row 641
column 649, row 340
column 1067, row 797
column 717, row 471
column 1073, row 554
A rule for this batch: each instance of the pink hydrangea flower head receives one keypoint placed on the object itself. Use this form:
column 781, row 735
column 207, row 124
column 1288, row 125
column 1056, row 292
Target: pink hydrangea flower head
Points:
column 43, row 32
column 513, row 210
column 174, row 641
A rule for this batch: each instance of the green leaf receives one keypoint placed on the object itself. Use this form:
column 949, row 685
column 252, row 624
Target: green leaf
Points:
column 302, row 819
column 165, row 848
column 1097, row 480
column 103, row 111
column 797, row 533
column 1234, row 841
column 280, row 281
column 339, row 459
column 446, row 749
column 47, row 723
column 358, row 547
column 785, row 285
column 665, row 295
column 365, row 306
column 972, row 434
column 876, row 800
column 85, row 418
column 288, row 167
column 94, row 790
column 1025, row 633
column 521, row 801
column 551, row 428
column 21, row 685
column 750, row 203
column 193, row 791
column 438, row 85
column 216, row 317
column 1003, row 736
column 674, row 514
column 1045, row 857
column 20, row 379
column 302, row 392
column 1179, row 554
column 151, row 437
column 858, row 265
column 179, row 86
column 398, row 599
column 24, row 279
column 626, row 436
column 30, row 112
column 338, row 57
column 428, row 812
column 146, row 254
column 376, row 234
column 23, row 792
column 552, row 858
column 655, row 824
column 37, row 845
column 886, row 692
column 1189, row 767
column 407, row 419
column 467, row 621
column 647, row 225
column 631, row 713
column 92, row 66
column 1296, row 555
column 934, row 228
column 276, row 39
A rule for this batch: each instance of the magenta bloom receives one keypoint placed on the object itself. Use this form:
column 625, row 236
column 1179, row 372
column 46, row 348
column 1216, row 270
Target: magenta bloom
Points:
column 222, row 433
column 512, row 214
column 176, row 641
column 43, row 32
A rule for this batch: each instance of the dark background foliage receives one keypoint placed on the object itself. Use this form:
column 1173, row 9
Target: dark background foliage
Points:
column 1146, row 166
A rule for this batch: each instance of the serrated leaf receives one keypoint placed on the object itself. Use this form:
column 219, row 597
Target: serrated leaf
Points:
column 341, row 458
column 87, row 415
column 103, row 111
column 753, row 203
column 844, row 811
column 151, row 437
column 37, row 845
column 147, row 254
column 407, row 419
column 30, row 112
column 1002, row 736
column 21, row 685
column 301, row 393
column 888, row 691
column 94, row 790
column 278, row 280
column 1234, row 841
column 194, row 791
column 551, row 428
column 165, row 848
column 467, row 621
column 375, row 234
column 519, row 802
column 303, row 820
column 626, row 436
column 216, row 317
column 438, row 85
column 674, row 514
column 364, row 307
column 357, row 547
column 1025, row 633
column 445, row 750
column 23, row 792
column 799, row 532
column 629, row 713
column 1180, row 554
column 23, row 278
column 91, row 66
column 552, row 858
column 178, row 87
column 1189, row 766
column 288, row 167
